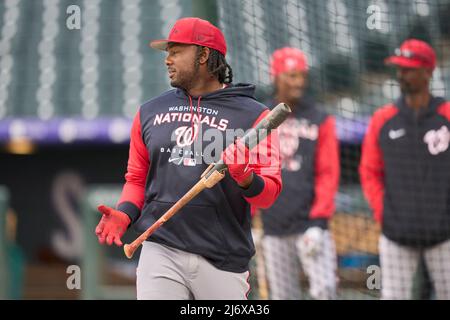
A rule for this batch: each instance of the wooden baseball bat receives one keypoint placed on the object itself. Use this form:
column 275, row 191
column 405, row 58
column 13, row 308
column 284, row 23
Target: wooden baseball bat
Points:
column 204, row 182
column 215, row 172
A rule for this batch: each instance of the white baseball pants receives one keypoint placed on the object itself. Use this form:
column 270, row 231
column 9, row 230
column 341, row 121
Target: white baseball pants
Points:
column 283, row 257
column 399, row 265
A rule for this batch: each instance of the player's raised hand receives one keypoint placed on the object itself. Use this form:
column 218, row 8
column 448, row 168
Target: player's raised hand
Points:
column 112, row 226
column 237, row 158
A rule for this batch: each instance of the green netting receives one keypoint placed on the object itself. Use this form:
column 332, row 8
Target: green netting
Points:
column 345, row 45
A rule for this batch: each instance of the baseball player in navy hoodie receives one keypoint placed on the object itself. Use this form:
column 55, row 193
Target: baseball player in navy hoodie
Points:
column 296, row 226
column 203, row 252
column 405, row 175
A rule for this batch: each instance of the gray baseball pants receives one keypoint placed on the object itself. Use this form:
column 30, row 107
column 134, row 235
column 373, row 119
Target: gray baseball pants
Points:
column 166, row 273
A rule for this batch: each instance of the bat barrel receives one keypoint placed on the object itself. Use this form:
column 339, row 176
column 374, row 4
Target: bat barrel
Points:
column 270, row 122
column 255, row 135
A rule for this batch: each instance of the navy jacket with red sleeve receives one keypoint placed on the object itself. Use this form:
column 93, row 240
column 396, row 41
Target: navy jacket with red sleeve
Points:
column 405, row 171
column 167, row 156
column 309, row 152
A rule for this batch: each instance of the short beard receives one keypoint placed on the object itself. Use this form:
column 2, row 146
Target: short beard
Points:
column 406, row 89
column 187, row 80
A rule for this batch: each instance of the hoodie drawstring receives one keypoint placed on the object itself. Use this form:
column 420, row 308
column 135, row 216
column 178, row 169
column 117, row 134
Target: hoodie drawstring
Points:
column 194, row 133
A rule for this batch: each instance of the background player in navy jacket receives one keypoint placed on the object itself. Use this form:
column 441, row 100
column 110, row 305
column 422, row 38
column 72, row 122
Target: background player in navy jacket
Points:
column 405, row 174
column 203, row 252
column 296, row 226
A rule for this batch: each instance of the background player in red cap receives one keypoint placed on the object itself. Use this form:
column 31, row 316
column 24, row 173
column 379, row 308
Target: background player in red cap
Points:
column 296, row 226
column 405, row 174
column 204, row 251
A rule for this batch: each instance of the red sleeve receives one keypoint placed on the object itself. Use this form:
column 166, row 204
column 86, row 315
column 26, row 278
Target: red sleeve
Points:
column 444, row 110
column 133, row 193
column 266, row 185
column 326, row 170
column 371, row 167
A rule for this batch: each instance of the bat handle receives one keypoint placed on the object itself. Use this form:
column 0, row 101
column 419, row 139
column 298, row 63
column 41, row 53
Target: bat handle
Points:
column 129, row 250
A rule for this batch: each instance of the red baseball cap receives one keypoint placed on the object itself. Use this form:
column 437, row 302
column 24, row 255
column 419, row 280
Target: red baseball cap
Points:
column 413, row 53
column 194, row 31
column 287, row 59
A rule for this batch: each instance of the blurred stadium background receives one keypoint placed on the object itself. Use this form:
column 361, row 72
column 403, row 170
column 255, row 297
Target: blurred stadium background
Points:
column 67, row 98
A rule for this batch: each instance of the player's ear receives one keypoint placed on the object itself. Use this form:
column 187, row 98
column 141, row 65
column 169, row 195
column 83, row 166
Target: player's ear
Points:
column 204, row 55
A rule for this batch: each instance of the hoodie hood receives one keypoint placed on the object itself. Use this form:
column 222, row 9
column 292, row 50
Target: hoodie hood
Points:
column 231, row 90
column 240, row 90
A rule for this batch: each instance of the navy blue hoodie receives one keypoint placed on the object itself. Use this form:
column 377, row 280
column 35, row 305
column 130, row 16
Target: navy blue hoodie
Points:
column 165, row 162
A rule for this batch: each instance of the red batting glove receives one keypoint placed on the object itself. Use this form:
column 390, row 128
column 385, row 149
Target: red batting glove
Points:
column 112, row 226
column 237, row 158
